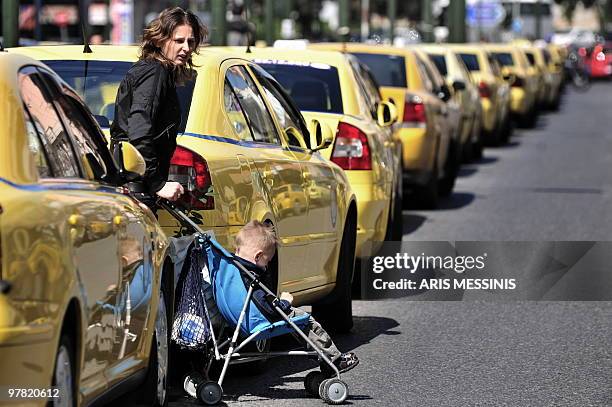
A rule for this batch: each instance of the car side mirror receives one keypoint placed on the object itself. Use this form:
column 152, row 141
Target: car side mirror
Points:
column 458, row 85
column 444, row 93
column 510, row 78
column 321, row 135
column 129, row 161
column 295, row 138
column 386, row 113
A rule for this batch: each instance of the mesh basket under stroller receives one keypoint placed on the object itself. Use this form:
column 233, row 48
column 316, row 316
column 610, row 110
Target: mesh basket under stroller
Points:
column 213, row 288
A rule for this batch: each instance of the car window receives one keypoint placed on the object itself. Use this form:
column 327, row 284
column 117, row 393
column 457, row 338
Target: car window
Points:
column 313, row 86
column 96, row 82
column 81, row 127
column 370, row 98
column 440, row 63
column 530, row 58
column 235, row 113
column 287, row 114
column 425, row 75
column 38, row 104
column 504, row 58
column 494, row 65
column 36, row 148
column 389, row 70
column 252, row 105
column 470, row 61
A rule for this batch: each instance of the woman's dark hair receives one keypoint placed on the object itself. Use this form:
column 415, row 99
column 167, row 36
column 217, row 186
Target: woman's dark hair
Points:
column 160, row 30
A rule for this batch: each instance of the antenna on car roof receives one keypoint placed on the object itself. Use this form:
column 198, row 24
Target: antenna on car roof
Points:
column 86, row 48
column 248, row 27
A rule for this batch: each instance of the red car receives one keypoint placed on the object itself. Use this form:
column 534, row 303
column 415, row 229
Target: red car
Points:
column 598, row 61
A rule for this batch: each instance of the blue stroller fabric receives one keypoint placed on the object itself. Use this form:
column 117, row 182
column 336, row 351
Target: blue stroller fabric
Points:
column 230, row 294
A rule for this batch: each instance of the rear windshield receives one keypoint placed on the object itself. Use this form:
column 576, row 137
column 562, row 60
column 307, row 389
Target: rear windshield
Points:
column 504, row 58
column 470, row 61
column 389, row 70
column 97, row 83
column 440, row 63
column 530, row 58
column 313, row 87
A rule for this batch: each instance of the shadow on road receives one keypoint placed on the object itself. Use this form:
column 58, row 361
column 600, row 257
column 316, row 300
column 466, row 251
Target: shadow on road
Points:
column 272, row 384
column 412, row 222
column 457, row 200
column 486, row 160
column 467, row 171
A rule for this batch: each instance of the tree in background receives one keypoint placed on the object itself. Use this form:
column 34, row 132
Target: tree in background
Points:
column 604, row 9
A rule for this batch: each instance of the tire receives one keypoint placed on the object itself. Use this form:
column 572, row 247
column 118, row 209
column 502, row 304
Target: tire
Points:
column 312, row 382
column 428, row 195
column 451, row 169
column 155, row 389
column 64, row 373
column 333, row 391
column 336, row 315
column 395, row 224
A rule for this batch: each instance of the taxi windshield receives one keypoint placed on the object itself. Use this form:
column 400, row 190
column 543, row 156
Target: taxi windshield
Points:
column 97, row 83
column 313, row 87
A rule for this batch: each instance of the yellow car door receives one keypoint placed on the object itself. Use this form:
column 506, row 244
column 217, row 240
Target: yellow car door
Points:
column 88, row 216
column 278, row 170
column 318, row 182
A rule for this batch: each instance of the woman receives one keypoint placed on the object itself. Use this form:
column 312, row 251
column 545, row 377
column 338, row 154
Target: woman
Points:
column 147, row 111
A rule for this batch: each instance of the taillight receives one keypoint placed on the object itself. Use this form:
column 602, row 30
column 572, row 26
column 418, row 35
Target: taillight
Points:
column 518, row 82
column 414, row 113
column 484, row 90
column 351, row 150
column 191, row 170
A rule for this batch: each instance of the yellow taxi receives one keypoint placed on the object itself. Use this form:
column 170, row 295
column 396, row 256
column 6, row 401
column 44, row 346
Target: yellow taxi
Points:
column 333, row 89
column 422, row 126
column 457, row 77
column 494, row 91
column 523, row 82
column 243, row 148
column 86, row 284
column 548, row 67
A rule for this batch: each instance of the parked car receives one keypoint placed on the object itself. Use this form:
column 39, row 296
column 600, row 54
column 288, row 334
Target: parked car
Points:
column 241, row 143
column 523, row 82
column 422, row 126
column 330, row 87
column 457, row 77
column 494, row 91
column 86, row 283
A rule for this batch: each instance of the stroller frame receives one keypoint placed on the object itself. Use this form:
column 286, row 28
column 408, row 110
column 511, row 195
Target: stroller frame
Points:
column 211, row 394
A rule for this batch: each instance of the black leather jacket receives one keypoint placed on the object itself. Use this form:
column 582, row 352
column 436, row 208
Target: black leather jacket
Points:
column 147, row 113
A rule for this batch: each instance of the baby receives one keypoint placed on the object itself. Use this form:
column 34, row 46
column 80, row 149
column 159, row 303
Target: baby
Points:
column 255, row 247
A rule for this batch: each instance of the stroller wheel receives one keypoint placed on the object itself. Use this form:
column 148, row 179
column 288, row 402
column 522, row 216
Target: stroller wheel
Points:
column 191, row 381
column 333, row 391
column 209, row 393
column 312, row 381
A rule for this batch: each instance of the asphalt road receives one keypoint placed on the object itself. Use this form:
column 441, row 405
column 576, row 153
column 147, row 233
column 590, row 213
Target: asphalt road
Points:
column 553, row 182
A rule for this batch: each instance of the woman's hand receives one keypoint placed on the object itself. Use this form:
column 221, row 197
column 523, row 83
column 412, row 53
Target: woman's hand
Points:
column 171, row 191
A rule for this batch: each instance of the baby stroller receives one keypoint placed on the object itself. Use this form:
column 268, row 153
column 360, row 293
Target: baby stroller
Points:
column 233, row 300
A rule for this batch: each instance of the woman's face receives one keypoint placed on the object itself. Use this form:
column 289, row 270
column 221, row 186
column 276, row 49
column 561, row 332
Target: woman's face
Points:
column 179, row 47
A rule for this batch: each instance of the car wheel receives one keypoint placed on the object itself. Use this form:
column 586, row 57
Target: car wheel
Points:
column 451, row 169
column 63, row 374
column 428, row 195
column 395, row 227
column 155, row 390
column 337, row 315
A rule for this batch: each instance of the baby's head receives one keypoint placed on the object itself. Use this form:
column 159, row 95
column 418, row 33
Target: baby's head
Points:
column 256, row 242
